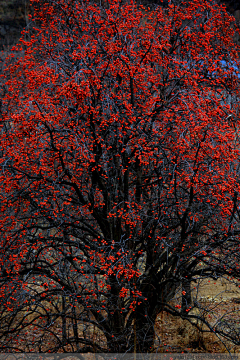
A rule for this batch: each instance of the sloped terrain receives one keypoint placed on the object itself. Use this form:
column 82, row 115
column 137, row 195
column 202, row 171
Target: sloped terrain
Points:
column 13, row 18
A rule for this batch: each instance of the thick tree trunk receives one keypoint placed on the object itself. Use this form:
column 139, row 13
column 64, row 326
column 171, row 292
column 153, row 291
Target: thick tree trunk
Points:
column 143, row 328
column 138, row 336
column 145, row 335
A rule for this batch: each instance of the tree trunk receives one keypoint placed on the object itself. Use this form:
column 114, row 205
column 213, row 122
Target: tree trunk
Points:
column 145, row 335
column 143, row 330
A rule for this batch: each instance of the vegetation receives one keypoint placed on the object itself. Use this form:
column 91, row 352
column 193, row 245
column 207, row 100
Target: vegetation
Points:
column 119, row 174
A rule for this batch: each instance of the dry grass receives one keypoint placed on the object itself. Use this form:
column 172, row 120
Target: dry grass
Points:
column 179, row 335
column 216, row 299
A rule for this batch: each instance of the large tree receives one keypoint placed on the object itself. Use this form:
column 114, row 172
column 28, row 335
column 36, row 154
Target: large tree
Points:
column 119, row 174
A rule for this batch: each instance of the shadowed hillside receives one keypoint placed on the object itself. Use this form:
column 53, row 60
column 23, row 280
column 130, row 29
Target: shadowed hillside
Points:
column 13, row 18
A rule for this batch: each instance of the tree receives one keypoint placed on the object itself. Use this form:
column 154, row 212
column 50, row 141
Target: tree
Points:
column 119, row 174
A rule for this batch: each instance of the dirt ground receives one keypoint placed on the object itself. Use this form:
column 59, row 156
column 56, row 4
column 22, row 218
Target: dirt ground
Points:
column 218, row 299
column 219, row 290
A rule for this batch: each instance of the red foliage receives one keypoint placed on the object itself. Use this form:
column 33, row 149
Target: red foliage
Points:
column 119, row 171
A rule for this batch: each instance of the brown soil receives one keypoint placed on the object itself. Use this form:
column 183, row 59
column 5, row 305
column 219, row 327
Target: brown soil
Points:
column 179, row 335
column 217, row 299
